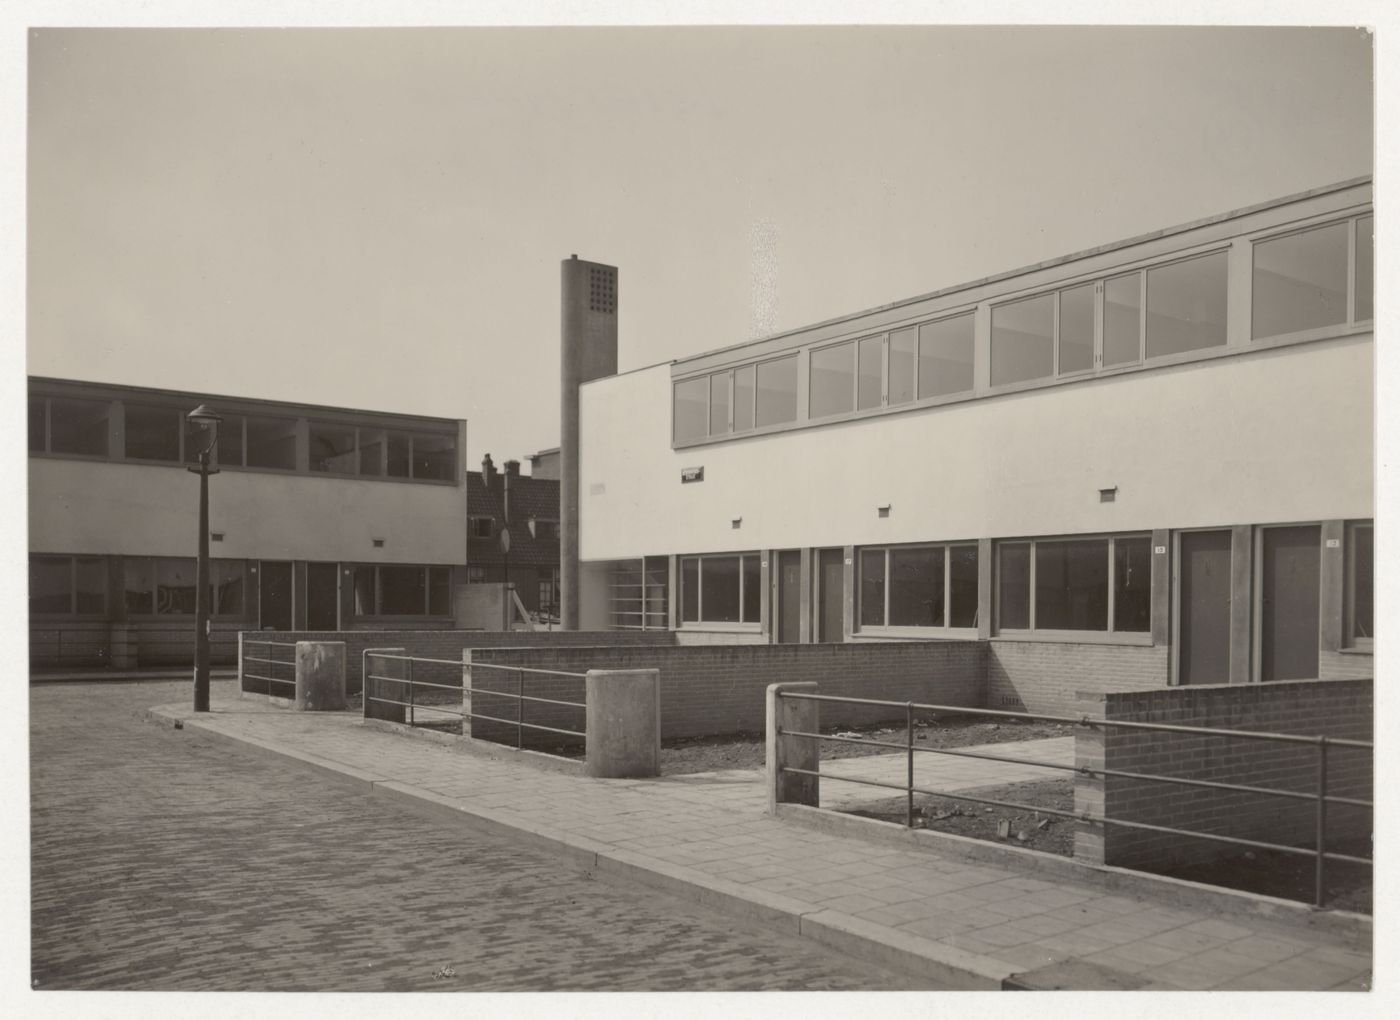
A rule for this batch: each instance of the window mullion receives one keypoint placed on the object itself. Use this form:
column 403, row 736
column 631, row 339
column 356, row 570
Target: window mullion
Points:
column 1112, row 585
column 1351, row 270
column 947, row 586
column 1030, row 589
column 889, row 585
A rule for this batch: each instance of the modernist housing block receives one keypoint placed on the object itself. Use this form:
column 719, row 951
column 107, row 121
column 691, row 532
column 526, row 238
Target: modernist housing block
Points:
column 321, row 518
column 1145, row 464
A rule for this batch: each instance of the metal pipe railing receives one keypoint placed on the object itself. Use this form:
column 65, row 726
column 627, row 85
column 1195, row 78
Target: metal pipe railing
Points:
column 245, row 675
column 413, row 704
column 1319, row 795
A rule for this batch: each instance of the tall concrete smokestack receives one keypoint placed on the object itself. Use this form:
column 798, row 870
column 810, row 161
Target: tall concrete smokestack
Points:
column 587, row 350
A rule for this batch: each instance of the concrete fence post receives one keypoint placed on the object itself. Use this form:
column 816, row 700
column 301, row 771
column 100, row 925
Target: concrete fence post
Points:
column 1090, row 838
column 785, row 715
column 466, row 692
column 320, row 676
column 394, row 686
column 623, row 723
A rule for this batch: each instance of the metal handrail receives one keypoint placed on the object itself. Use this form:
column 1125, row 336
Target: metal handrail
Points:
column 245, row 675
column 518, row 696
column 1319, row 796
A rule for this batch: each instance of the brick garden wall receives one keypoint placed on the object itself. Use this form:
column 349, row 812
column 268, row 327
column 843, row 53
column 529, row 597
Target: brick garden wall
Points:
column 720, row 688
column 1047, row 676
column 1334, row 708
column 447, row 644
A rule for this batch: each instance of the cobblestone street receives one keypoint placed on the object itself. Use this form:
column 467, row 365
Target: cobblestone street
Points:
column 165, row 860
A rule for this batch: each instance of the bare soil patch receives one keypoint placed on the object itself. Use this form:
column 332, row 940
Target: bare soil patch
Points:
column 746, row 750
column 1028, row 825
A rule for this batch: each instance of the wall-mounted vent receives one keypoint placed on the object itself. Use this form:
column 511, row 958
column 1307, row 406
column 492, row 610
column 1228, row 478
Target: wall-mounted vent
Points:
column 216, row 536
column 378, row 543
column 883, row 511
column 1108, row 495
column 602, row 290
column 736, row 523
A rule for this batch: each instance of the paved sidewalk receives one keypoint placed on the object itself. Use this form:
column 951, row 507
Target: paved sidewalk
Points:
column 940, row 913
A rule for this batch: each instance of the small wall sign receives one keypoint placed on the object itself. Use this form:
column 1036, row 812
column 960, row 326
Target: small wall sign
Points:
column 695, row 474
column 1160, row 550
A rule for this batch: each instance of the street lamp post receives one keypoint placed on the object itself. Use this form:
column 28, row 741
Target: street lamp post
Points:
column 208, row 421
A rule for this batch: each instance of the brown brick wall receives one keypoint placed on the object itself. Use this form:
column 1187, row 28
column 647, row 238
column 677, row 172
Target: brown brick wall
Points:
column 1333, row 708
column 720, row 688
column 1047, row 676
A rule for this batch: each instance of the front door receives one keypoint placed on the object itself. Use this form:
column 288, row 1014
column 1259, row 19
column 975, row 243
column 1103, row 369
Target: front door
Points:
column 830, row 564
column 1203, row 608
column 1288, row 603
column 789, row 596
column 322, row 596
column 275, row 595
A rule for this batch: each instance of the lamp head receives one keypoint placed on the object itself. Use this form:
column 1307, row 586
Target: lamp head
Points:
column 207, row 419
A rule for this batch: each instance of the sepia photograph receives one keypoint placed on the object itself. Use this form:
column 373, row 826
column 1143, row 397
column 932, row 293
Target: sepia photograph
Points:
column 577, row 498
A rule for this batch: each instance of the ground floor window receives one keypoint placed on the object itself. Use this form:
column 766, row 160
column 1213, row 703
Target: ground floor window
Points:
column 1101, row 584
column 1360, row 585
column 68, row 585
column 720, row 589
column 401, row 590
column 165, row 586
column 918, row 586
column 638, row 594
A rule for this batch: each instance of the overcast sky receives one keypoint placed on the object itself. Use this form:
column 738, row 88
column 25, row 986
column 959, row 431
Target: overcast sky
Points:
column 375, row 218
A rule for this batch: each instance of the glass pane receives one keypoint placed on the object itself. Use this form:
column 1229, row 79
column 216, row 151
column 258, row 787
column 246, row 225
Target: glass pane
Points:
column 139, row 585
column 719, row 403
column 916, row 587
column 1300, row 281
column 435, row 456
column 37, row 416
column 333, row 449
column 833, row 380
column 364, row 591
column 872, row 369
column 872, row 587
column 175, row 586
column 719, row 589
column 1122, row 319
column 962, row 582
column 1077, row 329
column 743, row 398
column 1186, row 305
column 690, row 590
column 401, row 591
column 777, row 391
column 92, row 584
column 1362, row 583
column 272, row 443
column 691, row 414
column 228, row 578
column 904, row 365
column 1071, row 585
column 945, row 356
column 440, row 594
column 753, row 588
column 78, row 426
column 1365, row 268
column 1013, row 587
column 1132, row 584
column 50, row 584
column 371, row 452
column 152, row 433
column 398, row 462
column 1022, row 340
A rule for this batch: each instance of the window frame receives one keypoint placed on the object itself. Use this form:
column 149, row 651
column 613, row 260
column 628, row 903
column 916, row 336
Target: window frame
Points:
column 72, row 612
column 475, row 523
column 1350, row 640
column 379, row 614
column 1107, row 636
column 887, row 629
column 1351, row 323
column 700, row 623
column 216, row 611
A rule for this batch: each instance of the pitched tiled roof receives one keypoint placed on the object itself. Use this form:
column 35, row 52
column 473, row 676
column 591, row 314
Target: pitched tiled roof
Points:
column 538, row 497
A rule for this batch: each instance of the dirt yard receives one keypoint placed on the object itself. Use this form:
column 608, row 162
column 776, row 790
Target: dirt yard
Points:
column 746, row 751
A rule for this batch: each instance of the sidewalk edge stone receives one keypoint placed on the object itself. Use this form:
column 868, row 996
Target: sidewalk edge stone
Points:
column 903, row 951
